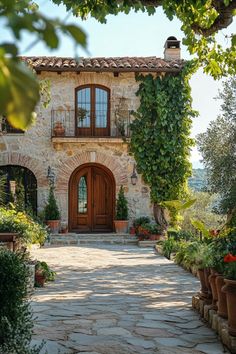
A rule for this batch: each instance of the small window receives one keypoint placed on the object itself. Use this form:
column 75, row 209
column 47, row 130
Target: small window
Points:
column 82, row 195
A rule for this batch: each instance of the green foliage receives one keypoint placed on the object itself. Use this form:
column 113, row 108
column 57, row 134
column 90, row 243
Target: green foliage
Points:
column 3, row 182
column 153, row 229
column 201, row 210
column 141, row 221
column 185, row 254
column 178, row 205
column 199, row 225
column 18, row 85
column 160, row 138
column 230, row 270
column 46, row 271
column 16, row 323
column 169, row 246
column 19, row 92
column 29, row 231
column 121, row 206
column 218, row 148
column 201, row 20
column 51, row 210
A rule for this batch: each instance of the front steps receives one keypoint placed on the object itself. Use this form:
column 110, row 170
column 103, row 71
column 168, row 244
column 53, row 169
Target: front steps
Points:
column 72, row 239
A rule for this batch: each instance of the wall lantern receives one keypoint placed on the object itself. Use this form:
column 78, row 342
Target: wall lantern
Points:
column 51, row 176
column 134, row 176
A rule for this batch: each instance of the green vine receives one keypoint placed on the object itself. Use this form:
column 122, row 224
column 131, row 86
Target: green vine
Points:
column 160, row 138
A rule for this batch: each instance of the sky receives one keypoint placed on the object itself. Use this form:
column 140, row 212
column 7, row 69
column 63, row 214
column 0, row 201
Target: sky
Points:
column 136, row 34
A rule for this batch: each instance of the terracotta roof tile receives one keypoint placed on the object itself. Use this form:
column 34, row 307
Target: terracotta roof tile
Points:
column 120, row 64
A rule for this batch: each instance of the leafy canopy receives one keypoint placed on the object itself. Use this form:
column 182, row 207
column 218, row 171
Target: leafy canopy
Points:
column 201, row 20
column 218, row 148
column 19, row 89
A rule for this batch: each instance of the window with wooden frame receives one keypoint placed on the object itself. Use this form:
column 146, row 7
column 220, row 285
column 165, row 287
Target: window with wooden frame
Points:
column 92, row 110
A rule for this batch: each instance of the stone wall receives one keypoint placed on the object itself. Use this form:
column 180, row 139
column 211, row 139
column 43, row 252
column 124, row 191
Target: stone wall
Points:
column 35, row 149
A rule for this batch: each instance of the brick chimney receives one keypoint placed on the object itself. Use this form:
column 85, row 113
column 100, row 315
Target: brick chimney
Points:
column 172, row 49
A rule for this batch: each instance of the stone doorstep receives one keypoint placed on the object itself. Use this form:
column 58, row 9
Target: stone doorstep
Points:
column 79, row 239
column 147, row 243
column 220, row 325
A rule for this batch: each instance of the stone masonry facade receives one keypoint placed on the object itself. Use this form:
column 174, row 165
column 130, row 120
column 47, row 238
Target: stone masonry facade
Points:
column 36, row 150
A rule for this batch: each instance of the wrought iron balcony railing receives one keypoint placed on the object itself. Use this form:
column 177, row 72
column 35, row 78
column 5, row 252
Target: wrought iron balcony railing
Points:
column 92, row 124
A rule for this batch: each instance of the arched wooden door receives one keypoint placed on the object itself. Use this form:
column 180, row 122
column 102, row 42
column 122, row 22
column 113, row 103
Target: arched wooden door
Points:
column 91, row 199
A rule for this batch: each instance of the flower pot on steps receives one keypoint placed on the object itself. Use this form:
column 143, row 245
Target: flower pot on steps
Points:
column 212, row 281
column 203, row 293
column 230, row 289
column 222, row 302
column 121, row 226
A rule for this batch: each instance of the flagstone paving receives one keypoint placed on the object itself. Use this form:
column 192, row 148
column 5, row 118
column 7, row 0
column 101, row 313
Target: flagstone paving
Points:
column 118, row 300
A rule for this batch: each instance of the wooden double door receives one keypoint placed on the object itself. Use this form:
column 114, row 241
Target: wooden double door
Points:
column 91, row 200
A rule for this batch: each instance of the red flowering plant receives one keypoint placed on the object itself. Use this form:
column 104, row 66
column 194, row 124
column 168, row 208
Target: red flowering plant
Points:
column 230, row 257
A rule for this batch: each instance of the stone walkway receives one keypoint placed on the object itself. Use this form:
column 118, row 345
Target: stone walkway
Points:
column 118, row 300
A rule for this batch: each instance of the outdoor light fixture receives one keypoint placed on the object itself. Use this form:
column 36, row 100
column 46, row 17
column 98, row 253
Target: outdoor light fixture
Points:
column 134, row 176
column 51, row 176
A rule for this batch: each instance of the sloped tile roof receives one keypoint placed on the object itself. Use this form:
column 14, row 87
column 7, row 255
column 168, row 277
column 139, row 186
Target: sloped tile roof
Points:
column 122, row 64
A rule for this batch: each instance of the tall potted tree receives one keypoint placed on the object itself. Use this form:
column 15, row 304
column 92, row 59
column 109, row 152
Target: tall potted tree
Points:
column 121, row 221
column 52, row 214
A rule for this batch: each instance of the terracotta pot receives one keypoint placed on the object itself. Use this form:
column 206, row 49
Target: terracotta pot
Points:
column 121, row 226
column 212, row 281
column 203, row 290
column 207, row 273
column 39, row 279
column 154, row 237
column 53, row 226
column 58, row 129
column 222, row 302
column 132, row 230
column 64, row 230
column 230, row 289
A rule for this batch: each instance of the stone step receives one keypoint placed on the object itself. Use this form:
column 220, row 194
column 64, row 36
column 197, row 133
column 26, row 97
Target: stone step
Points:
column 79, row 239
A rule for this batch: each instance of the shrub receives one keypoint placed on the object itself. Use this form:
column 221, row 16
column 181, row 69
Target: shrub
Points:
column 169, row 246
column 45, row 270
column 121, row 206
column 51, row 210
column 141, row 221
column 185, row 255
column 16, row 322
column 29, row 231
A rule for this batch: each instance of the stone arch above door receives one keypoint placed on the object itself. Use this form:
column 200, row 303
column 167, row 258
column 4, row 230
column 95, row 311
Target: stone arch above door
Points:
column 111, row 162
column 36, row 166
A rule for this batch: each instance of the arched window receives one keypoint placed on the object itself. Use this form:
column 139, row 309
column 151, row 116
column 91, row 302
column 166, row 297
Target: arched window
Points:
column 92, row 110
column 20, row 187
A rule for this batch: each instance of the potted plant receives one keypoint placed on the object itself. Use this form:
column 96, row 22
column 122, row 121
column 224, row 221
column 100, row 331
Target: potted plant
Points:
column 200, row 258
column 217, row 250
column 121, row 221
column 154, row 232
column 51, row 212
column 43, row 273
column 230, row 283
column 142, row 220
column 59, row 129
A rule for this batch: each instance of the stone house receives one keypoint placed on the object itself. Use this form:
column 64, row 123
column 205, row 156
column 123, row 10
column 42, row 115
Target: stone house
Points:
column 82, row 137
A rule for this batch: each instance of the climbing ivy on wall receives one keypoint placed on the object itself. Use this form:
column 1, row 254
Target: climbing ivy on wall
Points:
column 160, row 138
